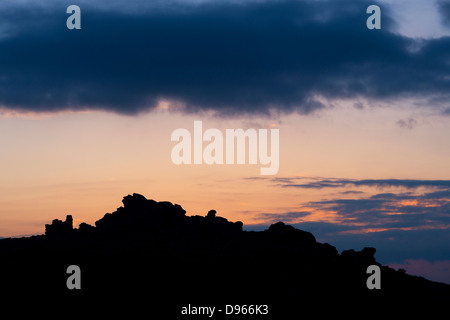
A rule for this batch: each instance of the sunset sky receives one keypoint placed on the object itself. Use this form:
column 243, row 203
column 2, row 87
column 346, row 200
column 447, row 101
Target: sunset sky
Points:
column 86, row 116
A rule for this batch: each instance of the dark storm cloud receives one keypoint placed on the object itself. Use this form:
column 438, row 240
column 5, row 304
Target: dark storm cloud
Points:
column 227, row 57
column 444, row 9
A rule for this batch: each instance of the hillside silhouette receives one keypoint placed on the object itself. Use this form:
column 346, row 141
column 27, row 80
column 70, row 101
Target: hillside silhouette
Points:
column 151, row 254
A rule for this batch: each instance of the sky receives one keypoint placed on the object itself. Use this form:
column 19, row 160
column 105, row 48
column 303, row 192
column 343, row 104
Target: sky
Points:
column 86, row 116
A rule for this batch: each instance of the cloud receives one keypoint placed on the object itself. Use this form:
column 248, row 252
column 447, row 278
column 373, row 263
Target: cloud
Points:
column 319, row 183
column 409, row 123
column 352, row 192
column 408, row 204
column 444, row 10
column 226, row 57
column 418, row 231
column 409, row 208
column 390, row 211
column 403, row 219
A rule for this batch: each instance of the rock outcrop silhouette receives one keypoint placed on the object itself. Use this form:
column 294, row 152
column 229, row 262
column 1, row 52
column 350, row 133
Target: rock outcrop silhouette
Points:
column 58, row 227
column 154, row 247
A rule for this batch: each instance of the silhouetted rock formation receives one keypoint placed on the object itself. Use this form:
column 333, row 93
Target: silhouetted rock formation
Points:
column 153, row 245
column 141, row 215
column 59, row 228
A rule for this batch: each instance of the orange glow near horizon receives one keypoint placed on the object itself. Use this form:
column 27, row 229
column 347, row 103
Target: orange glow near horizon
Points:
column 84, row 163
